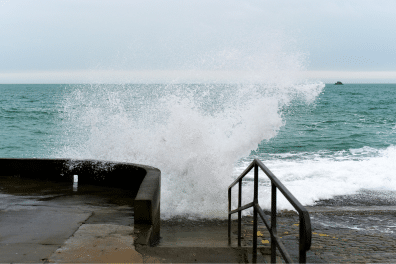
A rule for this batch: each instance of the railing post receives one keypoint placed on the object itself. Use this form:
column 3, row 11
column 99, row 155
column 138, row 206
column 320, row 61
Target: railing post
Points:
column 302, row 258
column 240, row 212
column 305, row 236
column 273, row 222
column 255, row 200
column 229, row 216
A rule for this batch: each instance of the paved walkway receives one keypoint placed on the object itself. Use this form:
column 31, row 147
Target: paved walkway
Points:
column 44, row 222
column 93, row 243
column 52, row 222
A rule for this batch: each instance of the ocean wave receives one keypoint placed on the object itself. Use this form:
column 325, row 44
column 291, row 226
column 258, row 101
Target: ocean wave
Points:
column 311, row 177
column 194, row 146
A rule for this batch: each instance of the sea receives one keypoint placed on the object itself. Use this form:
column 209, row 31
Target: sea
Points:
column 323, row 141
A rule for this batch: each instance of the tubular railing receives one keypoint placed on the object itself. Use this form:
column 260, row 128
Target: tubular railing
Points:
column 305, row 222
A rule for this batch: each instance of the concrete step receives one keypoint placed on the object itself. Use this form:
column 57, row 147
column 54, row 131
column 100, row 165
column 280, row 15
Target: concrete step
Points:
column 202, row 241
column 204, row 255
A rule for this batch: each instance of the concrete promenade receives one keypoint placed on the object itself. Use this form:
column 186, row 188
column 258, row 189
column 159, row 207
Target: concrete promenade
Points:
column 56, row 223
column 43, row 222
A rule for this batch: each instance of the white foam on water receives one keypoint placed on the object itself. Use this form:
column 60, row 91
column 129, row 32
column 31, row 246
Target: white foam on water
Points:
column 317, row 177
column 171, row 127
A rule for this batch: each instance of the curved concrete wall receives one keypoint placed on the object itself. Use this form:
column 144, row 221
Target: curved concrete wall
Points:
column 143, row 181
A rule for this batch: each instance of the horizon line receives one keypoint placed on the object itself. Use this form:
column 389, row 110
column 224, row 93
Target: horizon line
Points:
column 165, row 82
column 192, row 76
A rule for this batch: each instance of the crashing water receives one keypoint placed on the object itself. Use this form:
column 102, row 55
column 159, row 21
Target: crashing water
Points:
column 340, row 142
column 195, row 134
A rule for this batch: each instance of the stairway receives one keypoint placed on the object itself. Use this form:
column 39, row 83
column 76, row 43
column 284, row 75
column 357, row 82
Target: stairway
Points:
column 186, row 241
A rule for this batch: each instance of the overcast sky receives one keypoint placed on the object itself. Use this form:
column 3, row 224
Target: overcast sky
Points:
column 80, row 40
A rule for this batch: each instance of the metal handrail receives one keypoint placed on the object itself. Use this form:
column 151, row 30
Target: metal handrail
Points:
column 305, row 222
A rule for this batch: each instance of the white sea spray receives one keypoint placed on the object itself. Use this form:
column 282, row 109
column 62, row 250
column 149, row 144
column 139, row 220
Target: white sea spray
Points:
column 195, row 149
column 194, row 134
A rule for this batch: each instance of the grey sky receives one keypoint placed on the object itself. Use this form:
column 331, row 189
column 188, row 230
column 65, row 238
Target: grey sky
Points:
column 76, row 36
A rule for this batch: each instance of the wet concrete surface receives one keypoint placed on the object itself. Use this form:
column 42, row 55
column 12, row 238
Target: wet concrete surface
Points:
column 182, row 232
column 31, row 235
column 352, row 234
column 55, row 222
column 40, row 219
column 93, row 243
column 200, row 241
column 37, row 217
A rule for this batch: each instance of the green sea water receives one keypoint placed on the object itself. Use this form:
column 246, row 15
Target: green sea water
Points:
column 344, row 117
column 351, row 116
column 339, row 141
column 29, row 119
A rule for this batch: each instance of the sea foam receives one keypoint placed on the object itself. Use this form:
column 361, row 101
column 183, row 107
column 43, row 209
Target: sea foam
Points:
column 195, row 134
column 313, row 176
column 195, row 146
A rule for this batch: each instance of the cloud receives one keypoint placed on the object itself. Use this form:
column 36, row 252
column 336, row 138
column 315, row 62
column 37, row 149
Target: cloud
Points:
column 71, row 35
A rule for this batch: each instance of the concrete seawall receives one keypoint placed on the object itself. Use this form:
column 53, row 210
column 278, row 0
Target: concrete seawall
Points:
column 142, row 182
